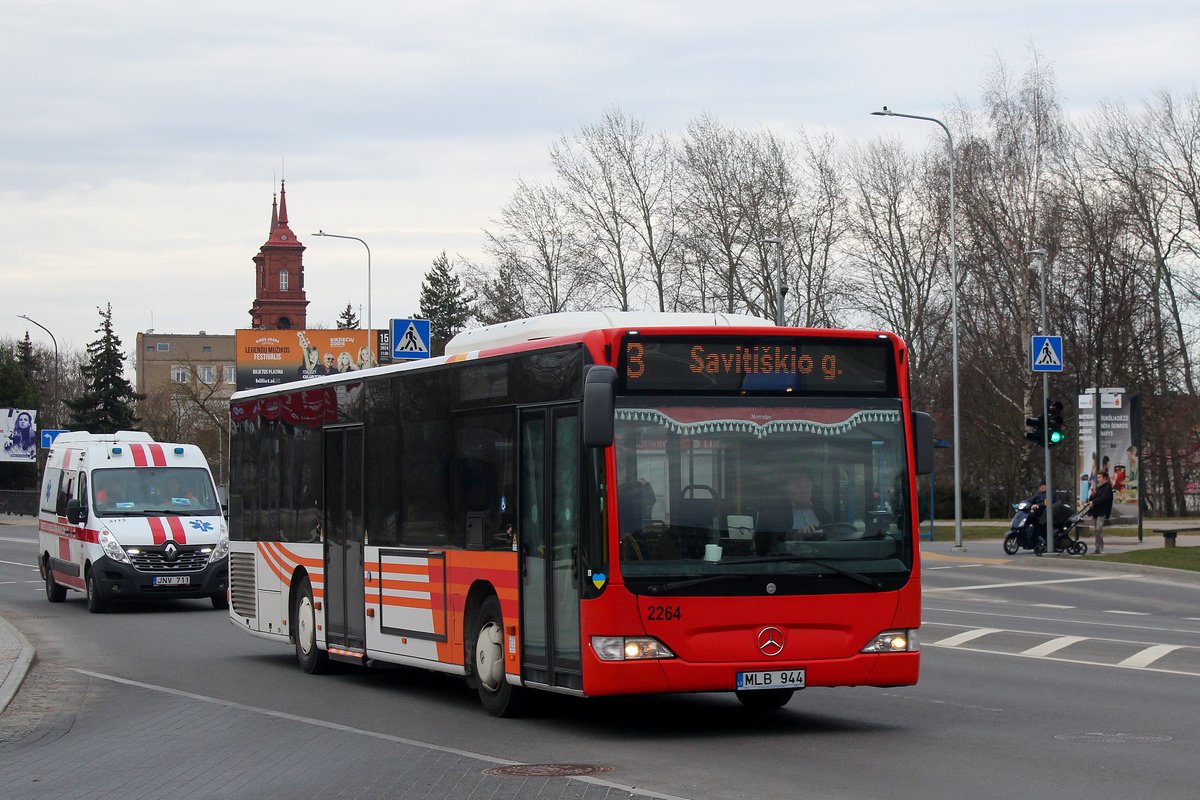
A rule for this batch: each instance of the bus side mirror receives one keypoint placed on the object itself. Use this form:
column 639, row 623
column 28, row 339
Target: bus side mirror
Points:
column 76, row 512
column 599, row 389
column 922, row 427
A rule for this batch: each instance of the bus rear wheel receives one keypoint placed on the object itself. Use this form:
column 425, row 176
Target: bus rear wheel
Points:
column 765, row 699
column 313, row 659
column 54, row 592
column 499, row 697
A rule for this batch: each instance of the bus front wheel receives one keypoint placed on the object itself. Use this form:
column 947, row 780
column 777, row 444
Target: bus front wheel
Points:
column 313, row 659
column 499, row 697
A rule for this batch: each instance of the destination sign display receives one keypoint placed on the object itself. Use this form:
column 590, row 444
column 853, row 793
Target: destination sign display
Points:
column 758, row 365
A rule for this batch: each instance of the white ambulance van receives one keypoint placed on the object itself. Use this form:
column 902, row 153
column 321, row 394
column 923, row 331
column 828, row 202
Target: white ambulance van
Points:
column 123, row 517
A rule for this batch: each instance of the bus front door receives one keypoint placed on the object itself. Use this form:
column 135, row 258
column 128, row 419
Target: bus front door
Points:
column 549, row 546
column 345, row 604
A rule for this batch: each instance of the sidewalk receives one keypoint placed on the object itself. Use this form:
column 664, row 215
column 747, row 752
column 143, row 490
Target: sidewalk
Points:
column 16, row 656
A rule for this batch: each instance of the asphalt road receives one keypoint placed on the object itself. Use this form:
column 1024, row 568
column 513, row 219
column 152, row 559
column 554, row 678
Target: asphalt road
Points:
column 1023, row 669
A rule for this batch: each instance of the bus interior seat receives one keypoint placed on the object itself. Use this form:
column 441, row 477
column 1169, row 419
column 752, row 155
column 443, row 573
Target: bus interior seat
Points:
column 693, row 519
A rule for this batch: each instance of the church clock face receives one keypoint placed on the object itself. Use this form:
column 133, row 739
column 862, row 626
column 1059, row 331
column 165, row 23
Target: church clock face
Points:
column 283, row 236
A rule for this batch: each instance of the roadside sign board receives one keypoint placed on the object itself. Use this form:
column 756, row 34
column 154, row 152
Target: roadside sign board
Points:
column 410, row 338
column 1045, row 353
column 48, row 437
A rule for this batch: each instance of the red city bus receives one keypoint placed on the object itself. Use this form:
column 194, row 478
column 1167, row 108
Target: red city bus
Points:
column 593, row 504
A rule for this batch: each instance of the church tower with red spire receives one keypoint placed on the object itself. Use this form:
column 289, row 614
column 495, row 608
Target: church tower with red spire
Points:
column 279, row 301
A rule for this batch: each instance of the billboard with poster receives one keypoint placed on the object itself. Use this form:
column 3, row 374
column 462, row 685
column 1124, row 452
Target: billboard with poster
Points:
column 267, row 358
column 18, row 432
column 1119, row 452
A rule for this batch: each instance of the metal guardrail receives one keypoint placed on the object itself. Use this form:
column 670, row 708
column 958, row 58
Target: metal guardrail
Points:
column 19, row 502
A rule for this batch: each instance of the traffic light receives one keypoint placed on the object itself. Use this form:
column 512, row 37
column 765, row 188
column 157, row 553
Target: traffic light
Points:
column 1054, row 422
column 1037, row 433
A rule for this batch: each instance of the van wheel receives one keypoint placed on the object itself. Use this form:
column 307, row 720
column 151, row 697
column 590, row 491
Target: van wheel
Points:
column 54, row 592
column 499, row 697
column 95, row 603
column 765, row 699
column 220, row 601
column 313, row 659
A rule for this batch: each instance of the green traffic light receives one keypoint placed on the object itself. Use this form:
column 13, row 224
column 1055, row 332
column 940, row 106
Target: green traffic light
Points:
column 1056, row 437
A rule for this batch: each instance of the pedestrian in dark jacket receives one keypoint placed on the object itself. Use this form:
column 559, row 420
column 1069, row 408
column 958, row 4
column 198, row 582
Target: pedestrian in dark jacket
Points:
column 1101, row 506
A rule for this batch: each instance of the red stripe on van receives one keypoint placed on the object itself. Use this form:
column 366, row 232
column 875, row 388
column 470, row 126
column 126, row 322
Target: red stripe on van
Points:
column 177, row 529
column 160, row 458
column 139, row 455
column 157, row 529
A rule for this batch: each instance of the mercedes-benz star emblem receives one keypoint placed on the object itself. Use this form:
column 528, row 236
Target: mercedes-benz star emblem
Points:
column 770, row 641
column 170, row 551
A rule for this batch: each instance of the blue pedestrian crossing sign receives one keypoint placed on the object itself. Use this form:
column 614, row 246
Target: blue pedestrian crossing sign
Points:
column 1045, row 353
column 410, row 338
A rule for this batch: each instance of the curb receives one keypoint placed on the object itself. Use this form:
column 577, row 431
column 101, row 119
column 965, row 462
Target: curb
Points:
column 20, row 665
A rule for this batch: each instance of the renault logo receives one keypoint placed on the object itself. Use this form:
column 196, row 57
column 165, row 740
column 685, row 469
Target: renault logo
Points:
column 770, row 641
column 170, row 551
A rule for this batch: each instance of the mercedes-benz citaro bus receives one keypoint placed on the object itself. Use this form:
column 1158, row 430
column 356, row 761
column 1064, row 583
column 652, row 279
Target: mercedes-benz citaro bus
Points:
column 123, row 517
column 593, row 504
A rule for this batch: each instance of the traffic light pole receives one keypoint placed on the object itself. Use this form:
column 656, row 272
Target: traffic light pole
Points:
column 1048, row 514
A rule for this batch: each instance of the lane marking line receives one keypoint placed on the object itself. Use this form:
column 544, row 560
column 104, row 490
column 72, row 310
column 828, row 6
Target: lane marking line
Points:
column 1149, row 655
column 19, row 564
column 633, row 790
column 966, row 636
column 1053, row 646
column 1129, row 613
column 939, row 557
column 1034, row 583
column 1051, row 605
column 1028, row 618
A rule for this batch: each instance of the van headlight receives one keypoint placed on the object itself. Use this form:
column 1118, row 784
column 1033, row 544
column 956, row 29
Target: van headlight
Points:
column 629, row 648
column 111, row 548
column 906, row 641
column 221, row 550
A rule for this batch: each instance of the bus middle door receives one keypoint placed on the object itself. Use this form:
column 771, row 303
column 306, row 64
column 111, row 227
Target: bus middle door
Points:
column 550, row 519
column 345, row 602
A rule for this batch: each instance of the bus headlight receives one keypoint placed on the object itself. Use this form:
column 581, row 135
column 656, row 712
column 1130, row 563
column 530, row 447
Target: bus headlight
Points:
column 906, row 641
column 111, row 548
column 629, row 648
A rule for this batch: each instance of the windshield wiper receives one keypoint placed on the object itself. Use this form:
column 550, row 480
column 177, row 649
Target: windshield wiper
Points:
column 668, row 587
column 863, row 579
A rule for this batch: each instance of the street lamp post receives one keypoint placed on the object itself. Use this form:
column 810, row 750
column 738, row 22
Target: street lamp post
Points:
column 953, row 327
column 370, row 330
column 47, row 330
column 780, row 289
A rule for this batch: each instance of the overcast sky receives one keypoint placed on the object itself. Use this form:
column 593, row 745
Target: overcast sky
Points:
column 140, row 140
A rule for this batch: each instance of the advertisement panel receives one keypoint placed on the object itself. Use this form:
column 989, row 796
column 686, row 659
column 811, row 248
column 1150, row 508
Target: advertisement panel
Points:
column 18, row 432
column 1119, row 451
column 267, row 358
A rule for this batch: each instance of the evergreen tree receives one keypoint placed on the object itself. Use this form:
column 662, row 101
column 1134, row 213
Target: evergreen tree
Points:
column 106, row 405
column 26, row 357
column 347, row 320
column 500, row 298
column 445, row 303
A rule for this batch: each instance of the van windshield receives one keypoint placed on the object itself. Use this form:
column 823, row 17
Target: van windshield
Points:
column 153, row 491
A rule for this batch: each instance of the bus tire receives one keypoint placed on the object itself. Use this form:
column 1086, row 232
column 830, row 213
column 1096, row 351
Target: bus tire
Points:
column 765, row 699
column 55, row 593
column 95, row 603
column 499, row 697
column 312, row 659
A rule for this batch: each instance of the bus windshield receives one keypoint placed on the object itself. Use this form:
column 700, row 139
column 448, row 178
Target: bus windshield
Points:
column 153, row 491
column 762, row 489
